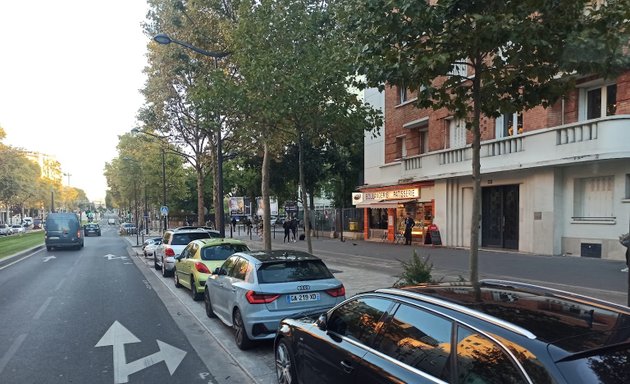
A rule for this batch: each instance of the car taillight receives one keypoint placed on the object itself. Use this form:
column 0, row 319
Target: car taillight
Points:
column 260, row 298
column 169, row 252
column 336, row 292
column 79, row 233
column 201, row 267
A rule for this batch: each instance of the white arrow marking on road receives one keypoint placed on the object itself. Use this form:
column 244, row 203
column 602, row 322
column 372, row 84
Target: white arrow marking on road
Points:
column 113, row 257
column 117, row 336
column 48, row 258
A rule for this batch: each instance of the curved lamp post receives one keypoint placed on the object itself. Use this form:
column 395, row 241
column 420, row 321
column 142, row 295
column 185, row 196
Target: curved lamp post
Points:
column 165, row 39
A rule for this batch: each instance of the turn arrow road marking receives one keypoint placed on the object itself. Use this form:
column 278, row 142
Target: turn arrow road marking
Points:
column 117, row 336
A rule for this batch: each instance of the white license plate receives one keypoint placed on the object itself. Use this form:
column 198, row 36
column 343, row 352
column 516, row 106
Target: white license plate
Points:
column 54, row 238
column 296, row 298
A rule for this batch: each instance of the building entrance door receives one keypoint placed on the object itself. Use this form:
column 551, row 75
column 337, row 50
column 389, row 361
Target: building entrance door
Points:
column 499, row 217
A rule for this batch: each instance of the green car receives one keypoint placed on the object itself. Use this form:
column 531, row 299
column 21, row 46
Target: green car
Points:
column 199, row 259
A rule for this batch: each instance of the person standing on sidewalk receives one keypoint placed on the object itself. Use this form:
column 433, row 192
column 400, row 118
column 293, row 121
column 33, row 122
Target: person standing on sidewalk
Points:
column 287, row 227
column 294, row 225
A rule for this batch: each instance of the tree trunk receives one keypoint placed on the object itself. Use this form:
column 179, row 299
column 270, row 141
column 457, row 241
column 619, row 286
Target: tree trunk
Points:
column 476, row 176
column 200, row 208
column 265, row 195
column 307, row 224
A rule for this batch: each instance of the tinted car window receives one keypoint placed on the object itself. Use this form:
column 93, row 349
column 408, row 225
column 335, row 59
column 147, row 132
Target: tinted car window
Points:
column 285, row 271
column 604, row 367
column 419, row 339
column 221, row 252
column 240, row 269
column 480, row 360
column 359, row 319
column 185, row 238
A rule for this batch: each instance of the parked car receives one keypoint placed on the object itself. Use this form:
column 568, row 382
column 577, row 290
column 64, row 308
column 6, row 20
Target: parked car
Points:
column 111, row 221
column 199, row 259
column 127, row 229
column 502, row 332
column 173, row 243
column 37, row 223
column 252, row 291
column 213, row 232
column 91, row 228
column 5, row 230
column 17, row 228
column 149, row 245
column 63, row 230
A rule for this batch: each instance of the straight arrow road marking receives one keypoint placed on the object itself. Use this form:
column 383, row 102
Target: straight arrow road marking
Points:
column 48, row 258
column 114, row 257
column 117, row 336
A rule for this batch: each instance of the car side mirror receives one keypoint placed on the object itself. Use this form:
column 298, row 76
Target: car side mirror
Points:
column 322, row 321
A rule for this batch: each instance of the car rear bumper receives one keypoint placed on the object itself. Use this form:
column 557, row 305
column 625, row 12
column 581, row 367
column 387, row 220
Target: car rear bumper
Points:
column 263, row 324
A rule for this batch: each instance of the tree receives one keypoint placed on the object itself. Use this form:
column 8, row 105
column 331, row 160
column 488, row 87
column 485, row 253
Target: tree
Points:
column 518, row 54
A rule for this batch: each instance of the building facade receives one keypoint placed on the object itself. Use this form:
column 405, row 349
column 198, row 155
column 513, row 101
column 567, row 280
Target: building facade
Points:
column 555, row 181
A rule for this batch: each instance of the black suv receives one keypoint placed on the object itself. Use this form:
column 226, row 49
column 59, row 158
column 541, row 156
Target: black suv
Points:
column 501, row 332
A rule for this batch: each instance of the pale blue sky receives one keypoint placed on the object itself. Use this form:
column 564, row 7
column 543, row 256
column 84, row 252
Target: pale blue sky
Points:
column 70, row 71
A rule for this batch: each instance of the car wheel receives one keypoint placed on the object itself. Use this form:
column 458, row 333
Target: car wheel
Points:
column 155, row 264
column 208, row 304
column 165, row 273
column 177, row 284
column 240, row 334
column 49, row 249
column 193, row 291
column 285, row 367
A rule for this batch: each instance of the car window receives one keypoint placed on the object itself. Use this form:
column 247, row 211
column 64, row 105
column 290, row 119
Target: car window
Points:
column 229, row 264
column 240, row 269
column 185, row 238
column 221, row 252
column 185, row 252
column 59, row 224
column 481, row 360
column 286, row 271
column 419, row 339
column 359, row 319
column 167, row 236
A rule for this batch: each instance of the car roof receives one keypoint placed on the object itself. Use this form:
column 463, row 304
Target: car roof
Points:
column 213, row 241
column 279, row 255
column 572, row 322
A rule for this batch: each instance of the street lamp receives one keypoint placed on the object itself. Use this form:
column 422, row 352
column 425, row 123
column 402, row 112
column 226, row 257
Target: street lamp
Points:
column 165, row 39
column 136, row 130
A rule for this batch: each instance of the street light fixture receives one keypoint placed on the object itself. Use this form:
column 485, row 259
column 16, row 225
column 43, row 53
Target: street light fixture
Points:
column 165, row 39
column 136, row 130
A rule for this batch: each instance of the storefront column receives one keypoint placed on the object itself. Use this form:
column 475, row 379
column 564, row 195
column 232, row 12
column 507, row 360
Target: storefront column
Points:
column 391, row 227
column 366, row 224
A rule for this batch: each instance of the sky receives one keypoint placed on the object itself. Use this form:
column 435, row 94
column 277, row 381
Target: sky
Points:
column 70, row 75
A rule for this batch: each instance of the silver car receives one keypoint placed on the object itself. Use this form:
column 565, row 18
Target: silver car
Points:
column 5, row 230
column 173, row 243
column 252, row 291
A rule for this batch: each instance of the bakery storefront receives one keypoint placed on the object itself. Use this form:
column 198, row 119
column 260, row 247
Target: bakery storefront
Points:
column 386, row 209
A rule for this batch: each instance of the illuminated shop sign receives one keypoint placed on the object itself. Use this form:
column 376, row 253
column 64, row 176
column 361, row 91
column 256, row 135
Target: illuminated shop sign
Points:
column 411, row 193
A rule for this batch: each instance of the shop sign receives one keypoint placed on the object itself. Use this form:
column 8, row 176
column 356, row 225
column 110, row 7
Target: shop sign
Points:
column 410, row 193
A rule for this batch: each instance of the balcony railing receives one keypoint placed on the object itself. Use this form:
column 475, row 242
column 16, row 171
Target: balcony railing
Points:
column 605, row 138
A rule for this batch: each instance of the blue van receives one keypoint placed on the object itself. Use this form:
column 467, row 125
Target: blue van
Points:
column 63, row 230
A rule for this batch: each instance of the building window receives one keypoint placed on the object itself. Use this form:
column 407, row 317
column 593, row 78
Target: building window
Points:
column 402, row 93
column 593, row 198
column 459, row 69
column 423, row 135
column 457, row 133
column 509, row 124
column 599, row 102
column 401, row 149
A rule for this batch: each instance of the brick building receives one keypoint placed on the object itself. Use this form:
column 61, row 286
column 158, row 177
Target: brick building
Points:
column 554, row 181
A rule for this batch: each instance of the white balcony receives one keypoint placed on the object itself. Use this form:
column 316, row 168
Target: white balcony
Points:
column 600, row 139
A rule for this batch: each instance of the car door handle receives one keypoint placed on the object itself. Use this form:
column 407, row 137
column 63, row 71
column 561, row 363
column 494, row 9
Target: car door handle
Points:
column 347, row 367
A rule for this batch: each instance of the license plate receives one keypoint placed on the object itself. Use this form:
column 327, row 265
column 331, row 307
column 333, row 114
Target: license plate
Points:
column 53, row 238
column 296, row 298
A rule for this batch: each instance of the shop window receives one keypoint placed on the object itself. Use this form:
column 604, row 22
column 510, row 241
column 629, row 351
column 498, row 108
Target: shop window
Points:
column 598, row 102
column 593, row 198
column 378, row 218
column 457, row 133
column 509, row 124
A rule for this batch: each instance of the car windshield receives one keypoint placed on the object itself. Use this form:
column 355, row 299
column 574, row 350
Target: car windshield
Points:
column 185, row 238
column 285, row 271
column 221, row 252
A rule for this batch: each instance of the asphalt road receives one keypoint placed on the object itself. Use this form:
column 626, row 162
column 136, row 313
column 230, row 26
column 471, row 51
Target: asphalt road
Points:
column 92, row 316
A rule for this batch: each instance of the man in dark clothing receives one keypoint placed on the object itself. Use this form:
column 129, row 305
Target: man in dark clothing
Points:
column 294, row 226
column 409, row 223
column 287, row 227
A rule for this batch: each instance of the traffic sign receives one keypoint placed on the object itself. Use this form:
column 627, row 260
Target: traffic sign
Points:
column 164, row 210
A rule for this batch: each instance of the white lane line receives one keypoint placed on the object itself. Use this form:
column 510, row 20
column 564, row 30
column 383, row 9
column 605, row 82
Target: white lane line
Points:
column 22, row 259
column 11, row 352
column 41, row 309
column 60, row 283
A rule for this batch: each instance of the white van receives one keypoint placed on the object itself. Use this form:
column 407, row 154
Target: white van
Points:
column 28, row 220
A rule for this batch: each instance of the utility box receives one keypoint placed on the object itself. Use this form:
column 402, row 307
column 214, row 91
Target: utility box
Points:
column 591, row 250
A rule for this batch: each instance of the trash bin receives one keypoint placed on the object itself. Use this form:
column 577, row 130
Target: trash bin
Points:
column 353, row 226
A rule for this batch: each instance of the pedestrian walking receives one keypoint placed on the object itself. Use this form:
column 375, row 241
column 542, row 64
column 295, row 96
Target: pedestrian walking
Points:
column 409, row 223
column 287, row 229
column 233, row 223
column 294, row 227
